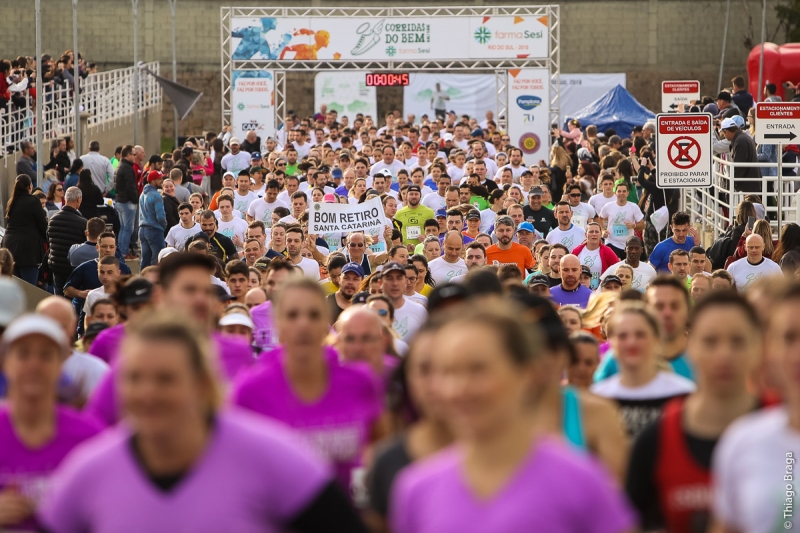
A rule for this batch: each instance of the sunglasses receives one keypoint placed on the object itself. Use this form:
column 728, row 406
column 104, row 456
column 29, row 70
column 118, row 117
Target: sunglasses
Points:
column 281, row 164
column 575, row 195
column 383, row 312
column 356, row 245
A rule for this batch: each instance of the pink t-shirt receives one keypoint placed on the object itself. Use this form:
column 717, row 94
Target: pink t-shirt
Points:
column 253, row 477
column 265, row 335
column 234, row 356
column 554, row 490
column 29, row 470
column 338, row 424
column 107, row 343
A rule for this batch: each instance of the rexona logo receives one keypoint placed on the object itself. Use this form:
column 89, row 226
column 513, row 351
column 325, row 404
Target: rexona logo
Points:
column 528, row 102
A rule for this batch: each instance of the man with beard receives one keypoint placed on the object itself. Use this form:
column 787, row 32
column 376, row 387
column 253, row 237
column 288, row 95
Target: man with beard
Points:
column 505, row 251
column 218, row 244
column 516, row 164
column 413, row 216
column 566, row 233
column 294, row 246
column 351, row 277
column 570, row 291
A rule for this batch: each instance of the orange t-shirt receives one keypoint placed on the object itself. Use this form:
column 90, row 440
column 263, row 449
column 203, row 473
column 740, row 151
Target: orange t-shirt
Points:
column 516, row 255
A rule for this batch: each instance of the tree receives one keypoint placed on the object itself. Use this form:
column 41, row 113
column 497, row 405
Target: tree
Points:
column 789, row 19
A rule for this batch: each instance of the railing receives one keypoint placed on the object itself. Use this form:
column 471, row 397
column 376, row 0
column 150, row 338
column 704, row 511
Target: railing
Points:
column 107, row 98
column 714, row 208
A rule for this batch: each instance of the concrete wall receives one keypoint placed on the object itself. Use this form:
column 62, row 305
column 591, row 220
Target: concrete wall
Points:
column 649, row 40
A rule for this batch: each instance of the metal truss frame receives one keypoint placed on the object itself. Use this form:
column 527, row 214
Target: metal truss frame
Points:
column 499, row 66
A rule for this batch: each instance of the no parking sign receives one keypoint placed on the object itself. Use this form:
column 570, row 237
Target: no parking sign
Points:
column 684, row 142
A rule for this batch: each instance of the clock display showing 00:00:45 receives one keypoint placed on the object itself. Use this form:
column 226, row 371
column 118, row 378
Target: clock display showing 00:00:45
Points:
column 387, row 80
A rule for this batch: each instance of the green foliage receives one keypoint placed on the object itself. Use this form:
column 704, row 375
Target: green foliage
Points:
column 789, row 17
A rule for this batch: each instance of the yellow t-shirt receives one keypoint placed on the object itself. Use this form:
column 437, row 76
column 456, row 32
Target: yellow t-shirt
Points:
column 426, row 290
column 328, row 287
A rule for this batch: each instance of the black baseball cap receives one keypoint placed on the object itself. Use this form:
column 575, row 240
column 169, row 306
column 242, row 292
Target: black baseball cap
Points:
column 393, row 266
column 360, row 297
column 222, row 295
column 609, row 279
column 586, row 270
column 447, row 294
column 540, row 279
column 415, row 188
column 136, row 290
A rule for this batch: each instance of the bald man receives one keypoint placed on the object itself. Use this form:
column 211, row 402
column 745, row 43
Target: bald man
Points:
column 748, row 269
column 255, row 297
column 361, row 338
column 82, row 371
column 570, row 291
column 450, row 265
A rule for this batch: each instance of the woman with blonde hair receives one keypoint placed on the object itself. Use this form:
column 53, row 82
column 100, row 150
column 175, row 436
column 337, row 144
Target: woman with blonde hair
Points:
column 560, row 170
column 357, row 190
column 597, row 311
column 762, row 228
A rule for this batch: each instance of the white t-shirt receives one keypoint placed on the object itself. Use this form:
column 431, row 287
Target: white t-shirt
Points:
column 302, row 150
column 515, row 172
column 310, row 268
column 241, row 203
column 745, row 273
column 95, row 294
column 261, row 191
column 85, row 370
column 582, row 214
column 262, row 210
column 235, row 163
column 455, row 173
column 418, row 298
column 409, row 318
column 235, row 213
column 178, row 235
column 664, row 385
column 491, row 167
column 487, row 220
column 570, row 238
column 749, row 467
column 617, row 216
column 642, row 274
column 598, row 201
column 395, row 167
column 234, row 227
column 434, row 201
column 594, row 262
column 442, row 271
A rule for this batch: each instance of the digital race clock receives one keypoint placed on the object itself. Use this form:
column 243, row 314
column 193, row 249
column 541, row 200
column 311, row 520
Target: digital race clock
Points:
column 387, row 80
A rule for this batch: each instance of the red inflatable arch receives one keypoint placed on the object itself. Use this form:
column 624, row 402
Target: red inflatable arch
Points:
column 781, row 64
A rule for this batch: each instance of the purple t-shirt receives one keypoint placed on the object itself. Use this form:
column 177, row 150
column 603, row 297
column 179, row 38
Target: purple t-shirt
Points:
column 265, row 334
column 29, row 470
column 554, row 490
column 338, row 425
column 234, row 356
column 107, row 343
column 579, row 297
column 253, row 477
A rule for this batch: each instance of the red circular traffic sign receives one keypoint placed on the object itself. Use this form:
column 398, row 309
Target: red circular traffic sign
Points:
column 684, row 152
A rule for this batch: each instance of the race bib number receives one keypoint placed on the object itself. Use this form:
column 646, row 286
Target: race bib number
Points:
column 412, row 232
column 619, row 230
column 579, row 220
column 334, row 243
column 378, row 247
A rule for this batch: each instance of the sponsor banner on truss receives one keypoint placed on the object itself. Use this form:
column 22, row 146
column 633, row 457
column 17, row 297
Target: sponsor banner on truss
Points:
column 529, row 112
column 388, row 38
column 253, row 102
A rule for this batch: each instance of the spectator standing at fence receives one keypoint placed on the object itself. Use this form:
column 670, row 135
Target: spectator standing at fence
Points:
column 26, row 164
column 152, row 219
column 740, row 97
column 92, row 196
column 66, row 229
column 743, row 150
column 59, row 160
column 100, row 166
column 127, row 199
column 26, row 230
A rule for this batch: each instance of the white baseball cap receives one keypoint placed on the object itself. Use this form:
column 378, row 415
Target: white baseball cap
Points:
column 233, row 141
column 447, row 137
column 165, row 252
column 236, row 319
column 12, row 300
column 31, row 324
column 728, row 123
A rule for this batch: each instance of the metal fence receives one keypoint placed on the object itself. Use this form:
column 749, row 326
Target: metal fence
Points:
column 106, row 99
column 714, row 208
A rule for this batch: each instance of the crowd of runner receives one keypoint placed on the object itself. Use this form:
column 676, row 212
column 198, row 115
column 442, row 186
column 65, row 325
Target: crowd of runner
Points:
column 521, row 347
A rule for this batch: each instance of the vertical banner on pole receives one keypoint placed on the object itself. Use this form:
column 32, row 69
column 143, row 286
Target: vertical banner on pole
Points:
column 253, row 102
column 529, row 112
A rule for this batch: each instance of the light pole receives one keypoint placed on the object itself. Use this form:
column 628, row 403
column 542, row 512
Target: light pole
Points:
column 761, row 60
column 172, row 5
column 135, row 71
column 39, row 97
column 76, row 89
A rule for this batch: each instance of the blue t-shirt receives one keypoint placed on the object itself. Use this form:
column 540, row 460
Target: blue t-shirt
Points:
column 608, row 367
column 83, row 278
column 660, row 256
column 579, row 297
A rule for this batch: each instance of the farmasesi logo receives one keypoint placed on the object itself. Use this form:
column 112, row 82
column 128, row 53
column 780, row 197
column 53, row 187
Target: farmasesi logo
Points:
column 482, row 35
column 528, row 102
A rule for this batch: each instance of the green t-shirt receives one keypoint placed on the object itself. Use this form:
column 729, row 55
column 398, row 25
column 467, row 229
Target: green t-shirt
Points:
column 479, row 202
column 291, row 170
column 413, row 221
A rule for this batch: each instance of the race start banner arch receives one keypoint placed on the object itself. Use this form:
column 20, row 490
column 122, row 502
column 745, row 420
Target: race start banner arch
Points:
column 498, row 39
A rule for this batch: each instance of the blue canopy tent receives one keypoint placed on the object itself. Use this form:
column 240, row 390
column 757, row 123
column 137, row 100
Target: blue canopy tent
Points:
column 616, row 109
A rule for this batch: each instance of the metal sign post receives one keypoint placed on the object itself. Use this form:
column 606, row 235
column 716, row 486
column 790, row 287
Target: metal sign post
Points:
column 76, row 89
column 39, row 97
